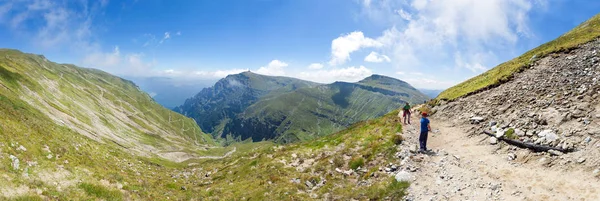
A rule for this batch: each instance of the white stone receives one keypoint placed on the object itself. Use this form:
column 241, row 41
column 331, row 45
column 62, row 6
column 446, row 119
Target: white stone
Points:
column 21, row 148
column 403, row 176
column 15, row 162
column 499, row 132
column 493, row 140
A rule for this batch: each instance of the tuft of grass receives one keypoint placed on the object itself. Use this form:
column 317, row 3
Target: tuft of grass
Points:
column 510, row 134
column 28, row 198
column 585, row 32
column 356, row 162
column 397, row 139
column 101, row 191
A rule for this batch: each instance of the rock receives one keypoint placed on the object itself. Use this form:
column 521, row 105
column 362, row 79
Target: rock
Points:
column 512, row 156
column 500, row 132
column 49, row 156
column 476, row 120
column 403, row 176
column 309, row 184
column 530, row 133
column 580, row 160
column 493, row 140
column 596, row 171
column 493, row 123
column 587, row 140
column 414, row 148
column 183, row 188
column 294, row 155
column 494, row 128
column 295, row 181
column 549, row 135
column 15, row 162
column 519, row 132
column 555, row 153
column 21, row 148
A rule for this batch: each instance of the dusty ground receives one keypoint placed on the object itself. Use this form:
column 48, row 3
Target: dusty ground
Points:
column 464, row 167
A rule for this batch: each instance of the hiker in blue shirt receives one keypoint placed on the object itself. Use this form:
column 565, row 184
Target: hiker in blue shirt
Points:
column 425, row 128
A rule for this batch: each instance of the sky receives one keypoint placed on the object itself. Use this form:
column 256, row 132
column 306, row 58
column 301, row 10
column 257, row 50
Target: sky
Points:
column 431, row 44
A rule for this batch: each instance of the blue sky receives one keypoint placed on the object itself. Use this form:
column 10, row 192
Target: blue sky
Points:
column 431, row 44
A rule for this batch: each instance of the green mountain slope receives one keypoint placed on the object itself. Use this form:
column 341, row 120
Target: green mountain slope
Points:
column 581, row 34
column 91, row 103
column 308, row 113
column 215, row 107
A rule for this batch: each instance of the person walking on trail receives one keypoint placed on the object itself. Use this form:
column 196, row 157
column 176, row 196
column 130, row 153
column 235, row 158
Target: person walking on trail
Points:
column 425, row 128
column 406, row 113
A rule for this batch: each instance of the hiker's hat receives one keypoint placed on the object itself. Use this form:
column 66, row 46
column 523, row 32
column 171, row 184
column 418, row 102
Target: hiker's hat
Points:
column 424, row 114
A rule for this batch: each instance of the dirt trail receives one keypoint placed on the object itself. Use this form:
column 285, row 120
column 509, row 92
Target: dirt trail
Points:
column 467, row 168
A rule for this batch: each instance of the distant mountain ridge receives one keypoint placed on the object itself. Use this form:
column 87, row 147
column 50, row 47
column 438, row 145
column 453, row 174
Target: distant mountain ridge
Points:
column 259, row 107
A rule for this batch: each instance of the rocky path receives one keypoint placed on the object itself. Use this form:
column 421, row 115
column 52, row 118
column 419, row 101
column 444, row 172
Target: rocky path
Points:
column 468, row 168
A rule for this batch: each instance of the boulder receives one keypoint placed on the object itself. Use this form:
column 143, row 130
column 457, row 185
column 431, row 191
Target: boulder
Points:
column 403, row 176
column 493, row 140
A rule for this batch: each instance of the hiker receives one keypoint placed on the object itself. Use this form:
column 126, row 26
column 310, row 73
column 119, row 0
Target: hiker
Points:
column 406, row 113
column 425, row 128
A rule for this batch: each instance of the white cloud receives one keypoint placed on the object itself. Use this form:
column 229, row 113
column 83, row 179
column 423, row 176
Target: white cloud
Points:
column 342, row 46
column 102, row 60
column 179, row 33
column 424, row 34
column 166, row 37
column 218, row 73
column 404, row 15
column 377, row 58
column 274, row 68
column 400, row 73
column 315, row 66
column 53, row 25
column 350, row 74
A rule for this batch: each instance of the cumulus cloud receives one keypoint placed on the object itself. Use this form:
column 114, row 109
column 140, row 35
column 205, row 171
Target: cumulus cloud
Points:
column 377, row 58
column 274, row 68
column 315, row 66
column 342, row 46
column 350, row 74
column 428, row 34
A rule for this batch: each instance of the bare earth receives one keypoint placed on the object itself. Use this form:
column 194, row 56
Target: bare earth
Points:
column 464, row 167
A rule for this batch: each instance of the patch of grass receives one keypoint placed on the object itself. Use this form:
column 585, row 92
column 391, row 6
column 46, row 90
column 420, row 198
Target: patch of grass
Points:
column 397, row 139
column 101, row 191
column 510, row 134
column 585, row 32
column 27, row 198
column 356, row 162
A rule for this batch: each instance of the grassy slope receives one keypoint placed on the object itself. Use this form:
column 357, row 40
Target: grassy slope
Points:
column 260, row 165
column 581, row 34
column 62, row 128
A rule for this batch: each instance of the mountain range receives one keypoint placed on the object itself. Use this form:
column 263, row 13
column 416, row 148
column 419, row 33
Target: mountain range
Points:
column 258, row 107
